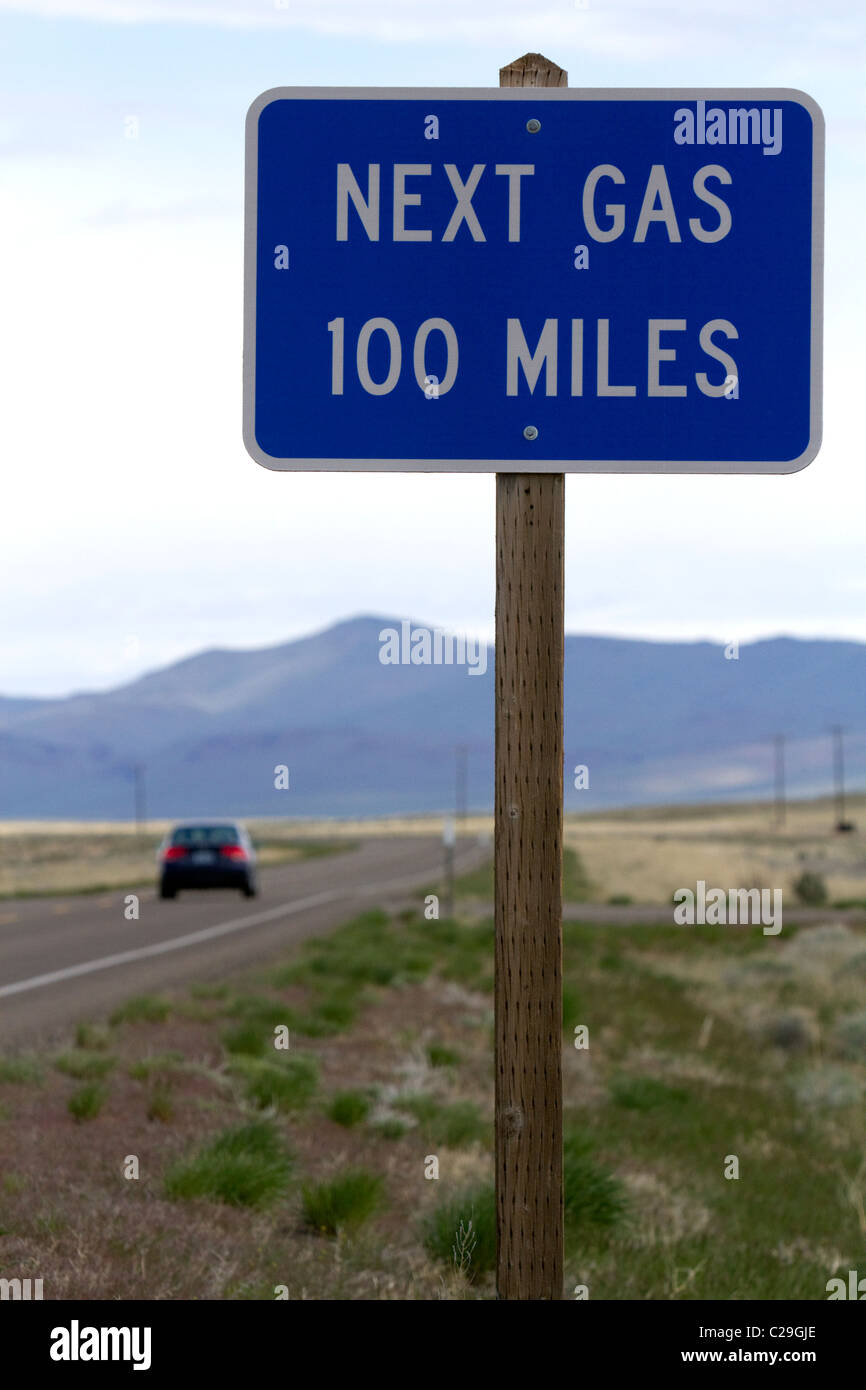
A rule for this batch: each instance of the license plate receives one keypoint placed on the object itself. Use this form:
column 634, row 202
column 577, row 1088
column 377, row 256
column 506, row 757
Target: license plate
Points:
column 202, row 856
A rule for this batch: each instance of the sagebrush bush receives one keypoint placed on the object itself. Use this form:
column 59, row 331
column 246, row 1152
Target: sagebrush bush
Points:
column 810, row 888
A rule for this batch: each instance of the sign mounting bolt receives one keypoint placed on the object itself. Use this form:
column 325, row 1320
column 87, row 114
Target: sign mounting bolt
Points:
column 533, row 126
column 530, row 432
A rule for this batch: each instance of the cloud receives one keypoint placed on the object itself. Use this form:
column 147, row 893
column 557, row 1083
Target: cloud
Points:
column 626, row 28
column 130, row 507
column 121, row 211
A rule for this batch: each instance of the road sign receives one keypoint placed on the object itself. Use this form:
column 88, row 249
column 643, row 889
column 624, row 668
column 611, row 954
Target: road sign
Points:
column 534, row 280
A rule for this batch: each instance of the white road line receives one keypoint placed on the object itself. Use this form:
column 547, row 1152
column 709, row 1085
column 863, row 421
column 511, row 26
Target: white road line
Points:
column 160, row 948
column 177, row 943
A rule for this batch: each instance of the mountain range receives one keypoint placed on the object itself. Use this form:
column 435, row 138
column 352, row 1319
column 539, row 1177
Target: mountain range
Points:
column 652, row 721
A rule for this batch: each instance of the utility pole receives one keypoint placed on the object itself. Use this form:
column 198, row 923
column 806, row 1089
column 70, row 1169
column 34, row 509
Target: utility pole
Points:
column 139, row 798
column 779, row 744
column 839, row 777
column 449, row 839
column 530, row 533
column 460, row 782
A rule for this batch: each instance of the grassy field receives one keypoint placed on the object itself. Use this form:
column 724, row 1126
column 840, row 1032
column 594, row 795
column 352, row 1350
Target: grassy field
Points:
column 647, row 854
column 262, row 1169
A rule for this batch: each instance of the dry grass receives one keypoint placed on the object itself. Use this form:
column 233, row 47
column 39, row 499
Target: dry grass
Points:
column 648, row 854
column 77, row 857
column 68, row 1214
column 703, row 1043
column 644, row 853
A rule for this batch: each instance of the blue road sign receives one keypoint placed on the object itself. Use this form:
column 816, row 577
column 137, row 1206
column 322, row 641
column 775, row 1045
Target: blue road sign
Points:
column 534, row 280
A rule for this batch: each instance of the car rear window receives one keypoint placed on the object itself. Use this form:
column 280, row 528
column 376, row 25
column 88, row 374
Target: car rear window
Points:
column 205, row 835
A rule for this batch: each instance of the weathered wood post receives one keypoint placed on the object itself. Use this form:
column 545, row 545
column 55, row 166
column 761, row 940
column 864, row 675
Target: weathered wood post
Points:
column 530, row 529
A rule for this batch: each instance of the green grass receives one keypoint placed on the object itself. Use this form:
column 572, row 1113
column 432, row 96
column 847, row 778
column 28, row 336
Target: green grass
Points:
column 85, row 1066
column 341, row 973
column 715, row 1238
column 424, row 1107
column 159, row 1066
column 144, row 1008
column 247, row 1166
column 87, row 1101
column 646, row 1093
column 285, row 1083
column 262, row 1011
column 455, row 1125
column 478, row 883
column 258, row 1018
column 648, row 1211
column 342, row 1202
column 349, row 1108
column 440, row 1056
column 461, row 1232
column 332, row 1012
column 160, row 1105
column 460, row 1124
column 20, row 1071
column 76, row 891
column 208, row 990
column 244, row 1040
column 593, row 1196
column 92, row 1036
column 572, row 1010
column 389, row 1128
column 576, row 885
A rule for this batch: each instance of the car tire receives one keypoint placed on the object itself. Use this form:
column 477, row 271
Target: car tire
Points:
column 165, row 892
column 249, row 890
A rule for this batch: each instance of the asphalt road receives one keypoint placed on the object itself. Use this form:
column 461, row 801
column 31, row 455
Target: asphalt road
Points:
column 73, row 958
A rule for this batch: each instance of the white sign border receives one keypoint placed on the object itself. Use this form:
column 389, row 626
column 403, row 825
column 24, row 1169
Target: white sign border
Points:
column 707, row 468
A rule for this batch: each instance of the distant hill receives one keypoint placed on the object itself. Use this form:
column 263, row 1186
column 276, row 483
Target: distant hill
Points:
column 653, row 721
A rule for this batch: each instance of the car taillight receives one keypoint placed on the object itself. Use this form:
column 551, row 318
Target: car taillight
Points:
column 175, row 852
column 232, row 852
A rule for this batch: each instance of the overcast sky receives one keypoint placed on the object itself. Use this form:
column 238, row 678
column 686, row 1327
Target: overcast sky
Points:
column 135, row 529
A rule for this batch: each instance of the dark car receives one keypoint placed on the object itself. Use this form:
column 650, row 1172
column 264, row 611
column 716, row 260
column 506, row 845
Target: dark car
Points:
column 207, row 854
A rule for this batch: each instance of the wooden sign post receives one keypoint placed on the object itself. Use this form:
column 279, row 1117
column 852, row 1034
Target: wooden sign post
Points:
column 530, row 531
column 318, row 397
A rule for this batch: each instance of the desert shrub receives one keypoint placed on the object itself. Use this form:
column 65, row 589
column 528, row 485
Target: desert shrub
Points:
column 349, row 1107
column 87, row 1101
column 342, row 1201
column 462, row 1231
column 810, row 888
